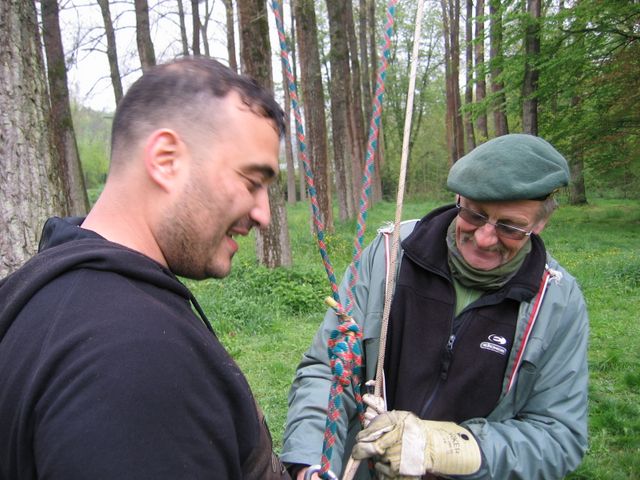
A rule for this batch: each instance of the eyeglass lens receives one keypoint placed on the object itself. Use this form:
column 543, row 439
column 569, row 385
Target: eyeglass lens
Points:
column 479, row 220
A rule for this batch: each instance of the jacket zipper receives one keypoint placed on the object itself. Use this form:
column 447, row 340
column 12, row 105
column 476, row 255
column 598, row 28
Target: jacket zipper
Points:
column 445, row 361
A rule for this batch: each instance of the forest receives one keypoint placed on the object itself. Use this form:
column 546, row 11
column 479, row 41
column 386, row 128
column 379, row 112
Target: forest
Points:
column 564, row 70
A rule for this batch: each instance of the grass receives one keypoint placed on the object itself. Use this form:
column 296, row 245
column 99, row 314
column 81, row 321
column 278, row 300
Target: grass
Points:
column 267, row 318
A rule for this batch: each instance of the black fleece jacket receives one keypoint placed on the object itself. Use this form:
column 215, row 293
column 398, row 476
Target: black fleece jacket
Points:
column 107, row 373
column 442, row 366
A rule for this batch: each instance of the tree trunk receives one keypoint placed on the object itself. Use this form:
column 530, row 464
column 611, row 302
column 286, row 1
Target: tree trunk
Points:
column 531, row 71
column 231, row 35
column 183, row 28
column 365, row 77
column 61, row 121
column 31, row 186
column 302, row 180
column 112, row 50
column 468, row 88
column 204, row 27
column 577, row 191
column 272, row 244
column 481, row 81
column 449, row 101
column 451, row 25
column 288, row 150
column 454, row 10
column 356, row 118
column 313, row 100
column 501, row 125
column 195, row 17
column 339, row 95
column 143, row 35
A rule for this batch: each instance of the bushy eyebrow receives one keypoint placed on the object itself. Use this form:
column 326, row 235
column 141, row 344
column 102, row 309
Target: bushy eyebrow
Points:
column 265, row 171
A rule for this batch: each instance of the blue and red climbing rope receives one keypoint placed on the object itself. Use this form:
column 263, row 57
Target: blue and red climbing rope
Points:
column 344, row 348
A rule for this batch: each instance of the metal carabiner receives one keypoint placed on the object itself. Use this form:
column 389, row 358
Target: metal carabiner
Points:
column 317, row 469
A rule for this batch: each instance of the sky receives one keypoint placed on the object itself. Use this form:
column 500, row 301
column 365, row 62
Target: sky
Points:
column 85, row 46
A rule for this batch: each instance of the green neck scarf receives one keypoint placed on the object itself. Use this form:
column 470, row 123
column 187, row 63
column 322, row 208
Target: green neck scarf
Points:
column 481, row 279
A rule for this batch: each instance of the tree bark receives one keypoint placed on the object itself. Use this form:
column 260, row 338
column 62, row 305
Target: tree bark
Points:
column 112, row 50
column 294, row 67
column 339, row 94
column 61, row 121
column 288, row 150
column 468, row 88
column 143, row 35
column 480, row 71
column 365, row 76
column 195, row 17
column 272, row 244
column 204, row 26
column 531, row 71
column 31, row 186
column 577, row 190
column 313, row 99
column 357, row 124
column 451, row 24
column 501, row 124
column 231, row 35
column 183, row 27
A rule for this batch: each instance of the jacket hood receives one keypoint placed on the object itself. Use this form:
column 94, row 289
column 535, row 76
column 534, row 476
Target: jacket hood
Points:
column 65, row 246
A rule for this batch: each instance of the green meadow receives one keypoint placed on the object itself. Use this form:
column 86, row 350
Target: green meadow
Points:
column 267, row 318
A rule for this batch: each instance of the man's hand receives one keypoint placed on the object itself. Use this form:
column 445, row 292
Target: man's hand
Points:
column 408, row 446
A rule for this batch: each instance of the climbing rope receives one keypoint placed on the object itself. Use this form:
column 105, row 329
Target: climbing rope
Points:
column 302, row 151
column 372, row 145
column 345, row 357
column 395, row 237
column 352, row 465
column 344, row 344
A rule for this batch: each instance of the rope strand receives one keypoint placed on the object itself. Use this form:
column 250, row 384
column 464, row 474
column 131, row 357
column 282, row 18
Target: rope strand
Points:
column 344, row 344
column 352, row 465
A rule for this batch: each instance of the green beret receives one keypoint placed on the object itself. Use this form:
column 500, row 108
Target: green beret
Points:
column 510, row 167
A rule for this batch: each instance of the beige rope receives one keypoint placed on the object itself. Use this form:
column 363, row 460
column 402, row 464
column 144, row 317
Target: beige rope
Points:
column 352, row 465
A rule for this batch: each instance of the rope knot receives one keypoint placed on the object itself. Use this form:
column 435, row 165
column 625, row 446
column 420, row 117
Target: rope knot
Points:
column 344, row 351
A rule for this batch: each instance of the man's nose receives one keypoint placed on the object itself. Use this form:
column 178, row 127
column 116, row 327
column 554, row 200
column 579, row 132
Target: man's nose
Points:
column 486, row 236
column 261, row 211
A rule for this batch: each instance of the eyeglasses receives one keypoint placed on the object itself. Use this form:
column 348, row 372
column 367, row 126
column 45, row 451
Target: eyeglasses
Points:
column 502, row 229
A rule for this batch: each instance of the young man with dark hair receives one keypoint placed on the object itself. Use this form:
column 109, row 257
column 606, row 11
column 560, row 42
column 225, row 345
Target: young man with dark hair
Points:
column 108, row 367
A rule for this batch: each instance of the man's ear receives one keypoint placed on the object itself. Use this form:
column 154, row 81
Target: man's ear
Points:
column 164, row 158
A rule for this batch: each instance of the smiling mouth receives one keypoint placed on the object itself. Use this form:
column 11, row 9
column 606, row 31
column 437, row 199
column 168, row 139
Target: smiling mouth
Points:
column 235, row 232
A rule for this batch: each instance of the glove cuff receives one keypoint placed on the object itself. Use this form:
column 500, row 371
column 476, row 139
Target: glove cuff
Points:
column 414, row 449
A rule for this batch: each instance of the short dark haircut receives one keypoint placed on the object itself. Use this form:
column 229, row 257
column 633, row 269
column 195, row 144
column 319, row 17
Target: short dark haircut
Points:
column 182, row 88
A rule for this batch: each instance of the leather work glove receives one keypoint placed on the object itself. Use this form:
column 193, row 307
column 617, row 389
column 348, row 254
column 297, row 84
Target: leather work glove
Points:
column 408, row 446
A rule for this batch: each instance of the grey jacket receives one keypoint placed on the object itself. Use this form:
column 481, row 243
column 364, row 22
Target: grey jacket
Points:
column 538, row 429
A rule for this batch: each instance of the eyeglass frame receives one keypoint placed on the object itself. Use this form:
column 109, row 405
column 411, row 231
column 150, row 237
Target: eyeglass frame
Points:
column 499, row 227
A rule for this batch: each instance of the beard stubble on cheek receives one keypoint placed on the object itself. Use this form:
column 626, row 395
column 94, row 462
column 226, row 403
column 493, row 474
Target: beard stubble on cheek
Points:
column 184, row 238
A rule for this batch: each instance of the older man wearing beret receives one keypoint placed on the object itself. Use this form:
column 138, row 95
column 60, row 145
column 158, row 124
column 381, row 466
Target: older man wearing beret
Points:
column 486, row 356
